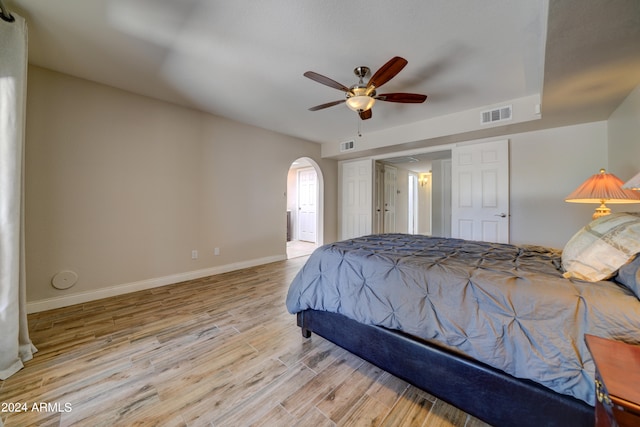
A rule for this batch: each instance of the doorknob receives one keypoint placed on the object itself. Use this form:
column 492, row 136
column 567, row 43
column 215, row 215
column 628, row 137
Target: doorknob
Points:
column 501, row 215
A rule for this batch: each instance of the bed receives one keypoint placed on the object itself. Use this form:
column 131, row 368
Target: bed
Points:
column 496, row 330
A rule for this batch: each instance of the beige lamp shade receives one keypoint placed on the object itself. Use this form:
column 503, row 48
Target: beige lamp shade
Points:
column 602, row 188
column 633, row 183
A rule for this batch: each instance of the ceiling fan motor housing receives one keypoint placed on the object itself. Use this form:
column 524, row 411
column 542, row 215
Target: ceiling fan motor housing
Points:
column 361, row 72
column 360, row 96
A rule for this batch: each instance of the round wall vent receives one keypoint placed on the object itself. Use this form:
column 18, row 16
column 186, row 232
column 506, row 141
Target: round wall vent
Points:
column 64, row 279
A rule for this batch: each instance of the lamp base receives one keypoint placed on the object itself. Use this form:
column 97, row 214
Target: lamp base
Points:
column 601, row 210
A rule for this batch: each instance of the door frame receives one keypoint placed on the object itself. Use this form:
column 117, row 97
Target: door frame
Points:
column 409, row 153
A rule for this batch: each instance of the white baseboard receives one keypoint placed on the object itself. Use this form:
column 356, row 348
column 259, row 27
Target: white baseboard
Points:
column 79, row 298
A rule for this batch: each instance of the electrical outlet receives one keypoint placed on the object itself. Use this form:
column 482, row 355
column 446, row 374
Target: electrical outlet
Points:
column 216, row 251
column 194, row 254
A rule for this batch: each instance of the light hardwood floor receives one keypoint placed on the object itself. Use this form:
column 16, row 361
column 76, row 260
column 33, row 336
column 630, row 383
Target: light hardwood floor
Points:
column 218, row 351
column 298, row 248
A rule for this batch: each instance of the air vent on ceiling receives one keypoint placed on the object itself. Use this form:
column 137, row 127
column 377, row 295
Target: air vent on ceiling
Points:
column 495, row 115
column 347, row 145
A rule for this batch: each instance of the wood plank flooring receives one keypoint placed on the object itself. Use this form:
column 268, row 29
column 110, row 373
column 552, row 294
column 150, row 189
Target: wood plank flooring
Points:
column 217, row 351
column 297, row 248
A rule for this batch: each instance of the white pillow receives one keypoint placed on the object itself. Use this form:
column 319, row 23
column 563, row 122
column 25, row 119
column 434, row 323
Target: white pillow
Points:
column 599, row 249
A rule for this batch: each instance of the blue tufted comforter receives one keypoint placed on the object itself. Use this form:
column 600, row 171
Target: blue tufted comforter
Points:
column 505, row 305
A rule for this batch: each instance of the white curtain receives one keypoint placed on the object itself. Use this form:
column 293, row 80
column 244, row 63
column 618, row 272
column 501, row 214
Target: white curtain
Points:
column 15, row 345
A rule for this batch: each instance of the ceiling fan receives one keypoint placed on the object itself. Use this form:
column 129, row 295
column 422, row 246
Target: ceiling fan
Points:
column 360, row 97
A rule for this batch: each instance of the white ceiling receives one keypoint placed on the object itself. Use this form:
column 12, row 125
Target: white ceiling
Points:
column 245, row 60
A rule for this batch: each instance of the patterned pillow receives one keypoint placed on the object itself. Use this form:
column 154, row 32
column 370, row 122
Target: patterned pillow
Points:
column 599, row 249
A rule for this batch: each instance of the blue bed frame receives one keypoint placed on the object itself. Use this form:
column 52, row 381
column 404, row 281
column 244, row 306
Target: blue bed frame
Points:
column 486, row 393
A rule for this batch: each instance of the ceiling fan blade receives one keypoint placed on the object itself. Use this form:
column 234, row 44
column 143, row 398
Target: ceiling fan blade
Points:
column 387, row 71
column 326, row 81
column 407, row 98
column 327, row 105
column 364, row 115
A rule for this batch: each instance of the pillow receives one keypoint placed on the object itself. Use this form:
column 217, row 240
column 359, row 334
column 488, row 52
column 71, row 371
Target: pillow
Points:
column 629, row 276
column 599, row 249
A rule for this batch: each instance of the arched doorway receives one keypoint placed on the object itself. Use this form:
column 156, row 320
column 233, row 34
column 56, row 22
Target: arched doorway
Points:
column 305, row 195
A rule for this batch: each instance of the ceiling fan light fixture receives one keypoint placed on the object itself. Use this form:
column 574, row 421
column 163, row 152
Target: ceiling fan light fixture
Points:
column 360, row 103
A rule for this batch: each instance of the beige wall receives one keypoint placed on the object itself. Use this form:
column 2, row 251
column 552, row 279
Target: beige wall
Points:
column 546, row 166
column 624, row 138
column 121, row 188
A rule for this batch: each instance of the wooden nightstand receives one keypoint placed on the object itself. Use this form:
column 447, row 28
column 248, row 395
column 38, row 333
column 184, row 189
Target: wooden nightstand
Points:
column 617, row 382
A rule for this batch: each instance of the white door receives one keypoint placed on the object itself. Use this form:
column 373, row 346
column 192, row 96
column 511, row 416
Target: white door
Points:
column 480, row 192
column 390, row 193
column 356, row 178
column 446, row 197
column 412, row 221
column 378, row 199
column 307, row 183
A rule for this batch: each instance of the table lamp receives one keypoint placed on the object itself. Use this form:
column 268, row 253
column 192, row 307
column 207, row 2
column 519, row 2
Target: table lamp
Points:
column 603, row 188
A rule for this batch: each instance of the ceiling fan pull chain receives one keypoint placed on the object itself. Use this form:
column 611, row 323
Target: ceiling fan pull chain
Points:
column 359, row 127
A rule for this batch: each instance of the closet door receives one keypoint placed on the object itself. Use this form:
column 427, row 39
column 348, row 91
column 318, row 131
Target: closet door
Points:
column 390, row 193
column 378, row 199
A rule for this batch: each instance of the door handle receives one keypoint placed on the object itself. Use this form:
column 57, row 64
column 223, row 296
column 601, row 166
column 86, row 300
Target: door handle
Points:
column 501, row 215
